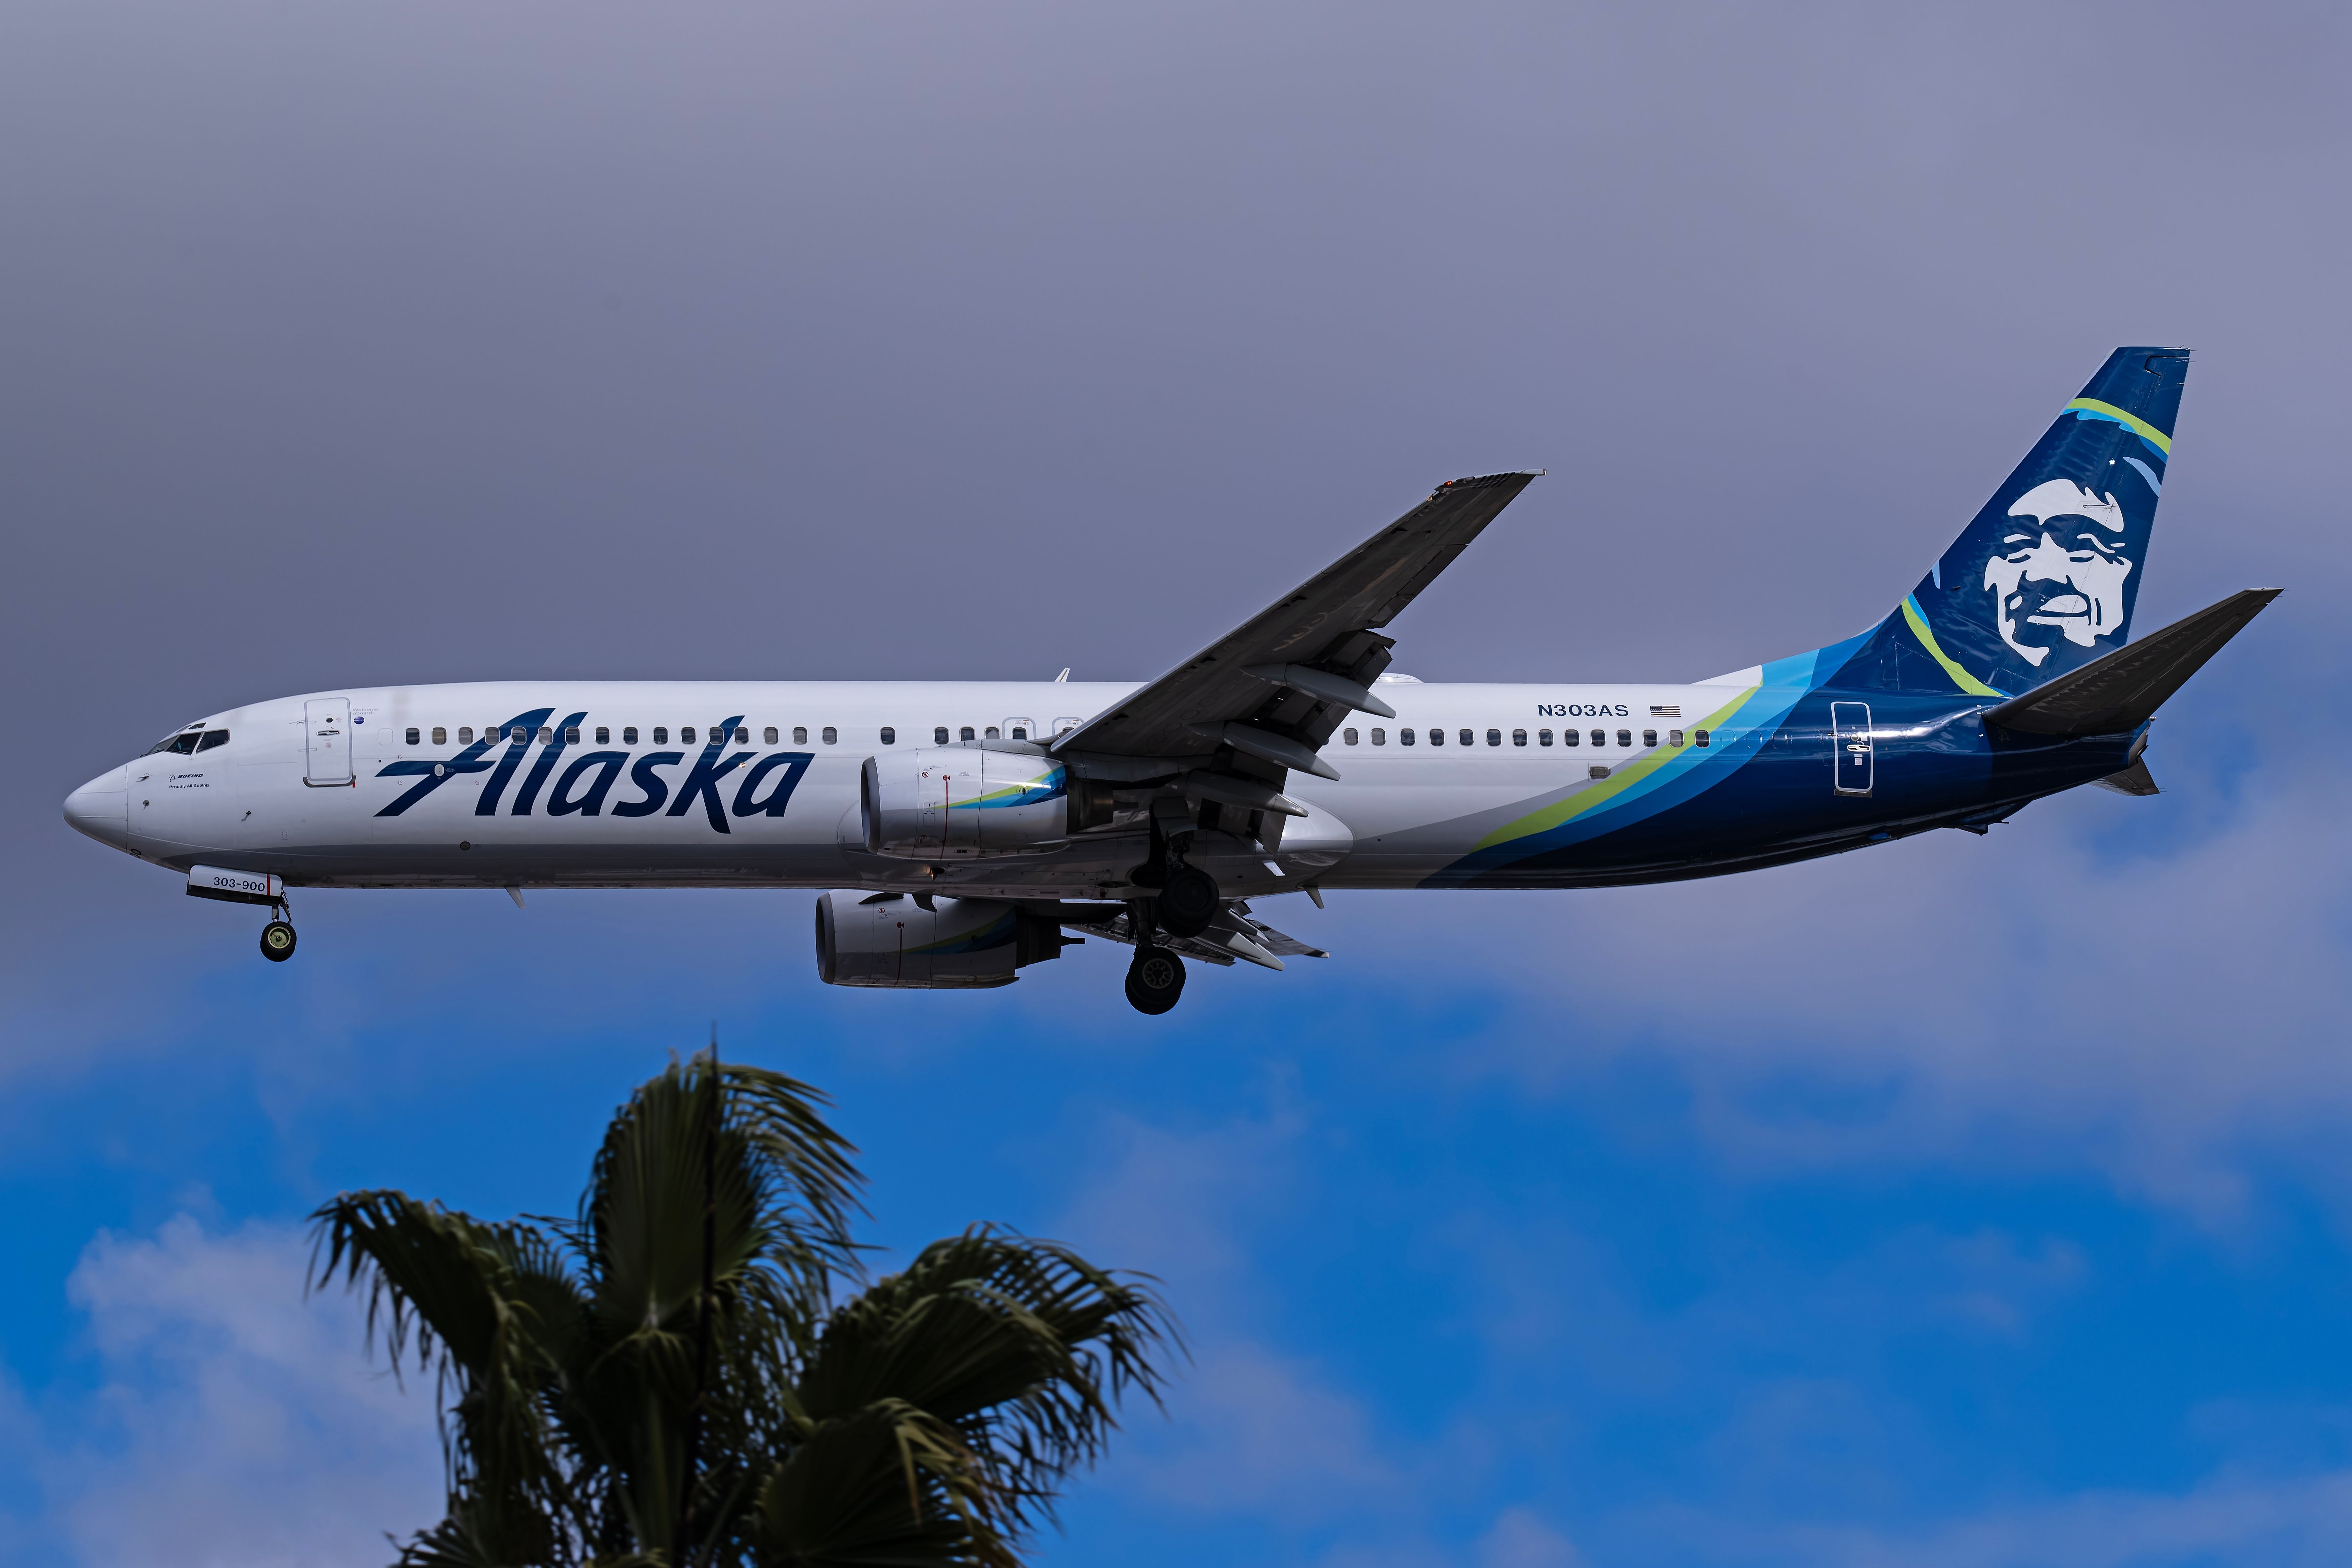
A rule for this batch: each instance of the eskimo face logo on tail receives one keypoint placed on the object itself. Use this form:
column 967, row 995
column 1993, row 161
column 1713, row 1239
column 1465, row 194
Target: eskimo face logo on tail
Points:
column 2060, row 572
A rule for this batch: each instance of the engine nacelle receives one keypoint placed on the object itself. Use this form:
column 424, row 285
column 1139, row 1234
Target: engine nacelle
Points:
column 891, row 941
column 956, row 803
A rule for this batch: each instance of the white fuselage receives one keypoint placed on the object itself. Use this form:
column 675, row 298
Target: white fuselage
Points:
column 551, row 810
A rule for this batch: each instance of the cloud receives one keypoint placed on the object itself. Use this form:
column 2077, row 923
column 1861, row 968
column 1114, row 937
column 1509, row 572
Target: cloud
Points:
column 2037, row 998
column 1178, row 1203
column 2249, row 1522
column 238, row 1424
column 1520, row 1539
column 1266, row 1434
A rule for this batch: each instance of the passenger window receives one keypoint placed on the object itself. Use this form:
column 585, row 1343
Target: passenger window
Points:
column 661, row 734
column 1543, row 737
column 440, row 735
column 768, row 736
column 686, row 734
column 1437, row 737
column 414, row 735
column 1470, row 740
column 832, row 736
column 572, row 734
column 521, row 735
column 1379, row 737
column 1673, row 737
column 1625, row 739
column 1600, row 737
column 1494, row 737
column 940, row 735
column 1698, row 737
column 629, row 736
column 889, row 736
column 1404, row 737
column 742, row 734
column 546, row 734
column 1348, row 736
column 800, row 734
column 1519, row 737
column 465, row 734
column 966, row 734
column 1649, row 737
column 992, row 734
column 213, row 738
column 1019, row 733
column 604, row 736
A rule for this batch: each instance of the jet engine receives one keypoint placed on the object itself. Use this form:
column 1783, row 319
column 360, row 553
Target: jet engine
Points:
column 892, row 941
column 953, row 803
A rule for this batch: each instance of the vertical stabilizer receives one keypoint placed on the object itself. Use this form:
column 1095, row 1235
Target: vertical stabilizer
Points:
column 2044, row 580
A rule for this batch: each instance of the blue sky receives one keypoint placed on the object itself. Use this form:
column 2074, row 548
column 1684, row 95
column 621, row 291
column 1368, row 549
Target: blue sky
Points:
column 1961, row 1203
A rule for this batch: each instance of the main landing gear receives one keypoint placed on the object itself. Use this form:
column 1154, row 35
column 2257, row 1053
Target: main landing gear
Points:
column 1186, row 899
column 1155, row 979
column 1189, row 901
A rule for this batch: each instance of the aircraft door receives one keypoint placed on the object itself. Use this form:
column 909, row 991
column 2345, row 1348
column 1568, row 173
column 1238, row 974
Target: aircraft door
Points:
column 327, row 741
column 1850, row 750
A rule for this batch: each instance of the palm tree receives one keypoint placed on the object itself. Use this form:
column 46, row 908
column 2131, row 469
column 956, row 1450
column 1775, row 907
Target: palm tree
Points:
column 688, row 1374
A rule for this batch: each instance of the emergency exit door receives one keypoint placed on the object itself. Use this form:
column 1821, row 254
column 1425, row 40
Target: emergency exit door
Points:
column 1850, row 753
column 327, row 741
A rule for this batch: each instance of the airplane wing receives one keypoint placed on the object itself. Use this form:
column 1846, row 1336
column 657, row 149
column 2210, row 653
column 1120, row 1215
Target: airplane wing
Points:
column 1274, row 690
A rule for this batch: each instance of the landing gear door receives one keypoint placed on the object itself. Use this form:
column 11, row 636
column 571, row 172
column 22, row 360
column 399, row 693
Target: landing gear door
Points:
column 1850, row 747
column 327, row 741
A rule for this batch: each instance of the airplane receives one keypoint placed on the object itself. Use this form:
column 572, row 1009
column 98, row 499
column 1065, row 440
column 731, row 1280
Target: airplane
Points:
column 962, row 831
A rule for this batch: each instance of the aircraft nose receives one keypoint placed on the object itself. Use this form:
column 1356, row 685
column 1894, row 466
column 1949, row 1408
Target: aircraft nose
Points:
column 101, row 809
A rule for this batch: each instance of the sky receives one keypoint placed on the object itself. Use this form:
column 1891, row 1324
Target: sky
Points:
column 1960, row 1203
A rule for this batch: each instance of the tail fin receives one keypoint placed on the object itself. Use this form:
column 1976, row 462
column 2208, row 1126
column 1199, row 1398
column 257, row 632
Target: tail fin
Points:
column 2044, row 580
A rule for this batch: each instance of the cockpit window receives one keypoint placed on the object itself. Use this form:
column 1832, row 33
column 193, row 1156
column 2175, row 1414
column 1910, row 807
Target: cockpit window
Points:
column 180, row 745
column 213, row 738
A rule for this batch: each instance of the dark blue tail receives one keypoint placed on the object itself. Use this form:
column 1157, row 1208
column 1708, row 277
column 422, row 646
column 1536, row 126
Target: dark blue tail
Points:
column 2044, row 580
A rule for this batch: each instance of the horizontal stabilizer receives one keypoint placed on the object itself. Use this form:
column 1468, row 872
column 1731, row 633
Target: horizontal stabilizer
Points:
column 2122, row 691
column 2134, row 780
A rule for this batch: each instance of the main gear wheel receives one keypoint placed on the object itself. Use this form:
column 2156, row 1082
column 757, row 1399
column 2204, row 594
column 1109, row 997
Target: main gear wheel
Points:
column 1155, row 980
column 1189, row 901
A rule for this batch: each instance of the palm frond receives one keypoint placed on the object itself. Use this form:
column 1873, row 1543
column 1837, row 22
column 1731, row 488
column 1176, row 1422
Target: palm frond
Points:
column 782, row 1180
column 887, row 1486
column 924, row 1421
column 488, row 1308
column 1021, row 1345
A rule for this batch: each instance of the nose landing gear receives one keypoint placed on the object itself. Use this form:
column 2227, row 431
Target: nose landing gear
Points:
column 1154, row 980
column 277, row 936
